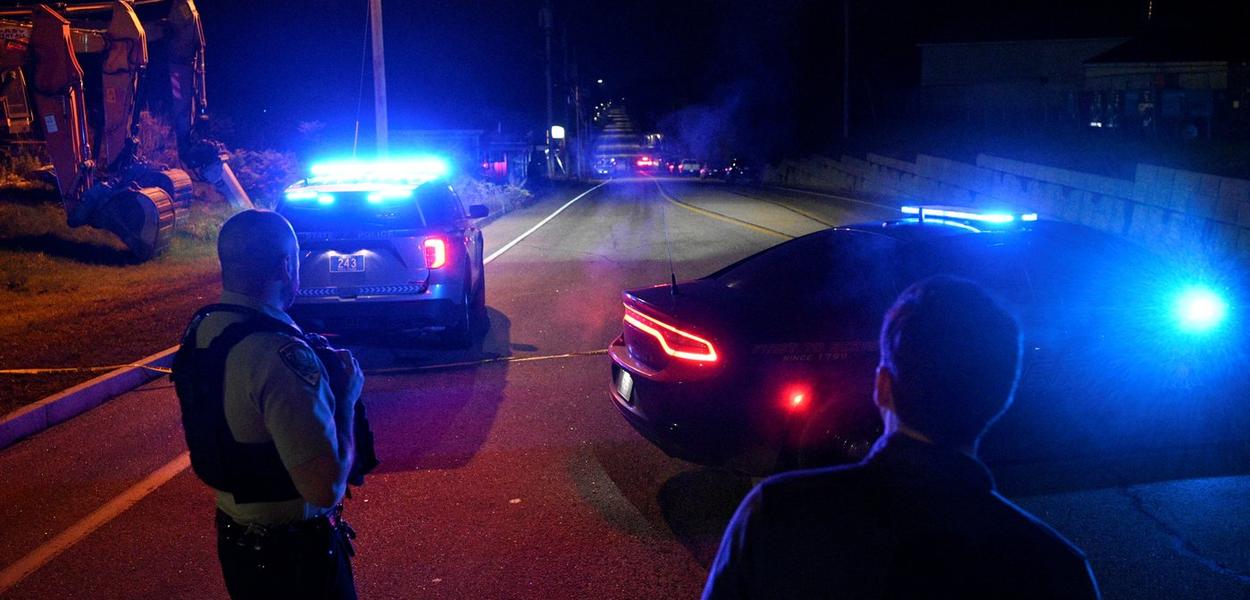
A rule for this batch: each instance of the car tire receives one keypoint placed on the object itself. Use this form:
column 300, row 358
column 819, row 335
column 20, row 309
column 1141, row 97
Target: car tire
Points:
column 481, row 316
column 473, row 318
column 460, row 335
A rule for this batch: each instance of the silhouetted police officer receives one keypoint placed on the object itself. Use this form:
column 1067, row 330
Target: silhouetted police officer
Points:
column 918, row 518
column 264, row 425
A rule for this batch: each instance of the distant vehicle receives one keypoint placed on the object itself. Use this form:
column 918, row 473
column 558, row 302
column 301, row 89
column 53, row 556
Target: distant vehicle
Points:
column 768, row 364
column 387, row 245
column 646, row 164
column 738, row 171
column 709, row 171
column 689, row 166
column 603, row 167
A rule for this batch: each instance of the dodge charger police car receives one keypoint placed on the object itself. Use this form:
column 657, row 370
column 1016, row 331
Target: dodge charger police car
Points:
column 768, row 364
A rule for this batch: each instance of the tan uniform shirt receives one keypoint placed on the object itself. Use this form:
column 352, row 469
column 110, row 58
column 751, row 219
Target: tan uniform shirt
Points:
column 272, row 392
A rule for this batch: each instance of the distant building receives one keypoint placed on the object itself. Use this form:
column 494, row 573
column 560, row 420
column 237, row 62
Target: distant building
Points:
column 500, row 157
column 998, row 84
column 1171, row 83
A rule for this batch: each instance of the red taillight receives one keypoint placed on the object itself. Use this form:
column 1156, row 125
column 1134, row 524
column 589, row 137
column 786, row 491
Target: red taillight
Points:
column 435, row 253
column 673, row 341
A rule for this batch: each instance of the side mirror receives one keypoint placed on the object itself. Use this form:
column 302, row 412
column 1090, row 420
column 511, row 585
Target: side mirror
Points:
column 478, row 211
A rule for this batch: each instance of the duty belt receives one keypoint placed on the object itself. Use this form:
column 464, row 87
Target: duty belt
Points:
column 258, row 536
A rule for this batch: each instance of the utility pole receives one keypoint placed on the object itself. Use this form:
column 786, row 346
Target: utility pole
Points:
column 577, row 116
column 379, row 75
column 544, row 17
column 846, row 69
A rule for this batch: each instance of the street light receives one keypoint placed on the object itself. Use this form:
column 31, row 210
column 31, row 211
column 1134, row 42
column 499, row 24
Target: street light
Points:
column 599, row 81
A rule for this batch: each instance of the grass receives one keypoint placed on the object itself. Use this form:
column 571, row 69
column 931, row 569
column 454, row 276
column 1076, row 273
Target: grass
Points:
column 47, row 268
column 71, row 297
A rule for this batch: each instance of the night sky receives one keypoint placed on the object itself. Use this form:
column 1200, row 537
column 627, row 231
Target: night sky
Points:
column 768, row 72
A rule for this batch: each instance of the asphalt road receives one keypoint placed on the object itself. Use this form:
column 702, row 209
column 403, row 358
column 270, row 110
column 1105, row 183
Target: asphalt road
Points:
column 517, row 479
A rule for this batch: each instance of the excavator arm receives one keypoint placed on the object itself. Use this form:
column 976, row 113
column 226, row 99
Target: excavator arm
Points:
column 113, row 188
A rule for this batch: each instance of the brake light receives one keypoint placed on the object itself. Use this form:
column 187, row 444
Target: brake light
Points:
column 435, row 253
column 675, row 342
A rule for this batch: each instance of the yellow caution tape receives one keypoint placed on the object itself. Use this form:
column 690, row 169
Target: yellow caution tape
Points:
column 82, row 369
column 386, row 371
column 485, row 361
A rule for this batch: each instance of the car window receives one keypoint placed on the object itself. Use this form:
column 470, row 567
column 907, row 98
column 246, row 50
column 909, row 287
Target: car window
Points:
column 431, row 205
column 439, row 205
column 996, row 261
column 844, row 272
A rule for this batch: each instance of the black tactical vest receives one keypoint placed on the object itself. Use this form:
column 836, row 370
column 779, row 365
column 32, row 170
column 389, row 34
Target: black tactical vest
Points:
column 251, row 472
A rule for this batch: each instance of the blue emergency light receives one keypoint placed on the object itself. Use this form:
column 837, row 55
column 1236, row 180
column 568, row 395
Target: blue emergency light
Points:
column 967, row 214
column 380, row 181
column 415, row 170
column 1199, row 309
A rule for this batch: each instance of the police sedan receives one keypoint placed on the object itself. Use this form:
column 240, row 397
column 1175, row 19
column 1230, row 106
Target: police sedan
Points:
column 768, row 364
column 387, row 245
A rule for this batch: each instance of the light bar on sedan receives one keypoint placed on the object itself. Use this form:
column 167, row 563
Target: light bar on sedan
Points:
column 967, row 214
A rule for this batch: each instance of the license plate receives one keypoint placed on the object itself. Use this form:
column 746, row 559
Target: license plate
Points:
column 625, row 386
column 347, row 263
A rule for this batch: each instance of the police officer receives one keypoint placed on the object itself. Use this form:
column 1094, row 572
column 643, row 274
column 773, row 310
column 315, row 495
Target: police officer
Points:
column 264, row 425
column 919, row 518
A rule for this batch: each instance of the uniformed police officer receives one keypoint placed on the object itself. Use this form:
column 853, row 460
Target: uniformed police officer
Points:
column 264, row 427
column 919, row 518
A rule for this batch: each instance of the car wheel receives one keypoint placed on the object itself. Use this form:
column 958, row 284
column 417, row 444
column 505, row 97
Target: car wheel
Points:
column 480, row 317
column 460, row 335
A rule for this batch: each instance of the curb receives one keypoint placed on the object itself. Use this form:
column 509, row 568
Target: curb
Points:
column 63, row 406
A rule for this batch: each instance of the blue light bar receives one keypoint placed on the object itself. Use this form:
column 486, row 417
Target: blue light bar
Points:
column 389, row 194
column 963, row 214
column 325, row 198
column 301, row 194
column 410, row 170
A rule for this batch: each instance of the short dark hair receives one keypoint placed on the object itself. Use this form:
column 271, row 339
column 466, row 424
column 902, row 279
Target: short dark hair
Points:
column 954, row 354
column 250, row 245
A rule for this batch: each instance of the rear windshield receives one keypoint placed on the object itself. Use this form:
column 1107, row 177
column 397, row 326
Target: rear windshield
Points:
column 829, row 268
column 431, row 206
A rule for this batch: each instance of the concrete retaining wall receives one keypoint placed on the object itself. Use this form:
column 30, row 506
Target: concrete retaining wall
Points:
column 1205, row 216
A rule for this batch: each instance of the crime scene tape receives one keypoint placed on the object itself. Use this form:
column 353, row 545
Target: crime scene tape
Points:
column 82, row 369
column 484, row 361
column 384, row 371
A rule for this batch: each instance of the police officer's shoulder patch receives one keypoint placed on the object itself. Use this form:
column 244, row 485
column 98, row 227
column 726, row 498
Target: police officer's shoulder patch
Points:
column 300, row 359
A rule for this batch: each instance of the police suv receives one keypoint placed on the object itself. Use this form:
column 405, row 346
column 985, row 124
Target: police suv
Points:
column 387, row 244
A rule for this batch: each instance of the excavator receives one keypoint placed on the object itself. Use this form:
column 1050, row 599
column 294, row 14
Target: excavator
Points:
column 89, row 120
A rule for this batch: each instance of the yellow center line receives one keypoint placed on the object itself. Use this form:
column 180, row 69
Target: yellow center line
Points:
column 797, row 211
column 50, row 549
column 722, row 217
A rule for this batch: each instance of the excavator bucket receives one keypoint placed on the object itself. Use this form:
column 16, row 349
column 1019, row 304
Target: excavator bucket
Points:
column 143, row 218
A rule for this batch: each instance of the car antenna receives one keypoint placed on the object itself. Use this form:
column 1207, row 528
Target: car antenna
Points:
column 668, row 248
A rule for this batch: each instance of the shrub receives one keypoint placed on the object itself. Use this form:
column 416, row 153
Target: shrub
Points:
column 157, row 142
column 498, row 198
column 20, row 168
column 264, row 174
